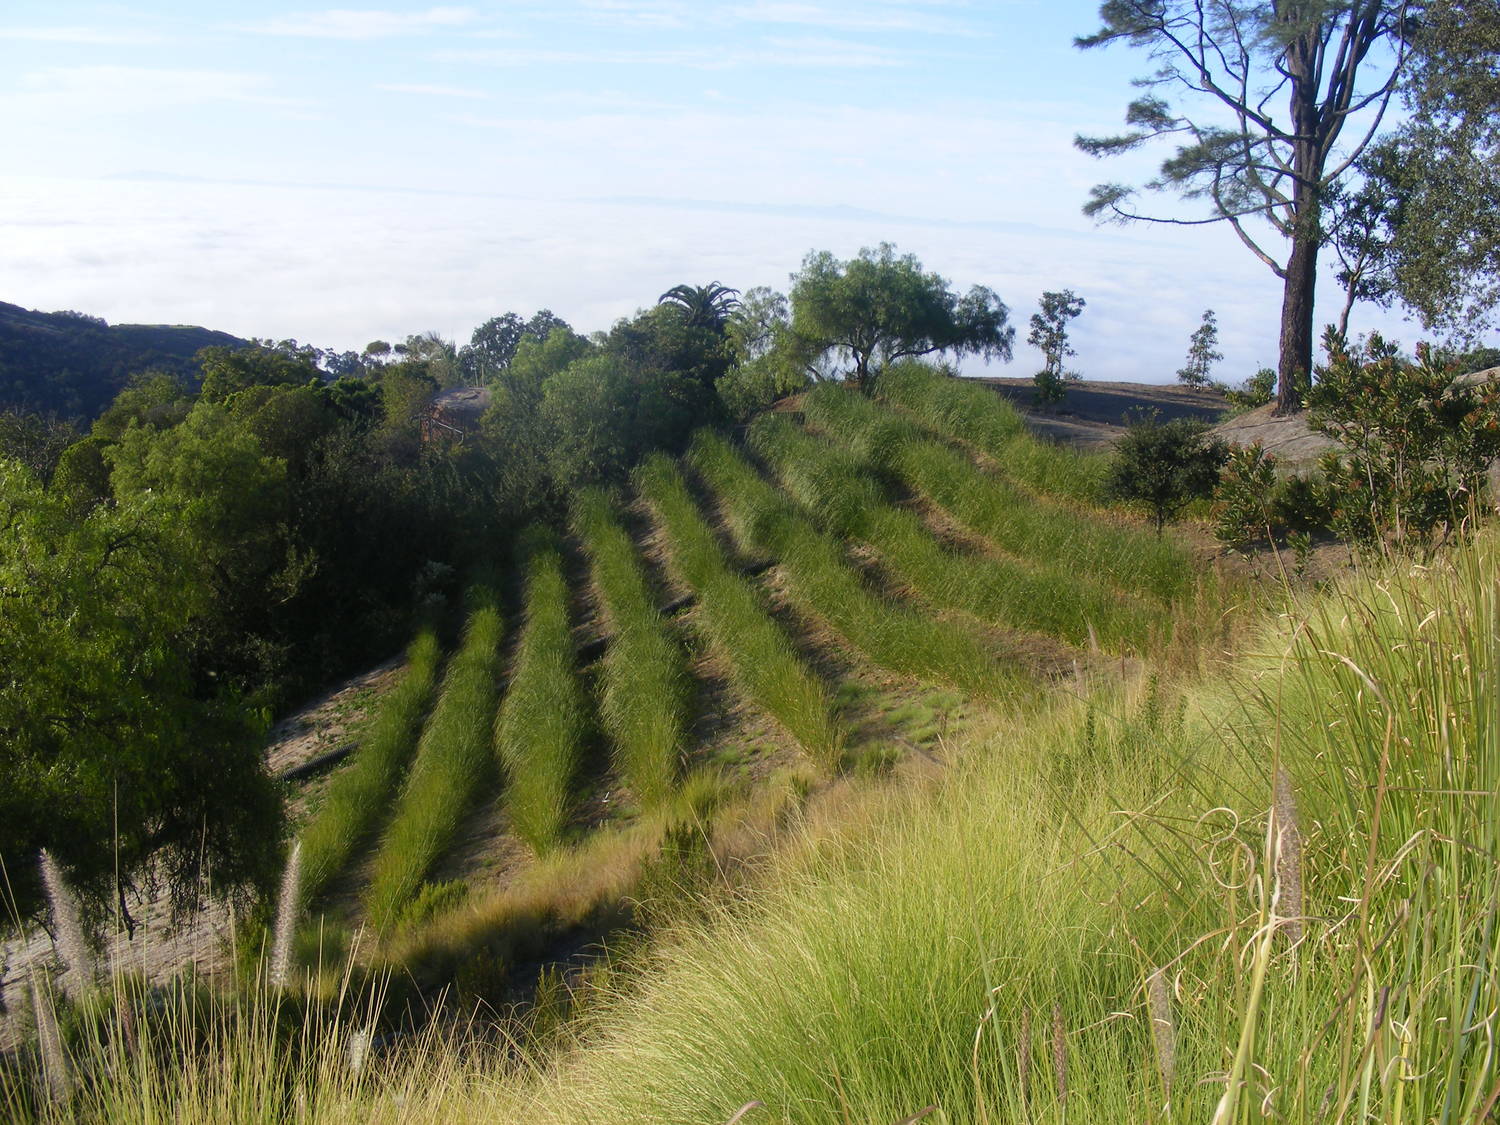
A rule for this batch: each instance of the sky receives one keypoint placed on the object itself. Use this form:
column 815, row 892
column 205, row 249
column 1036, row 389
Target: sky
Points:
column 338, row 175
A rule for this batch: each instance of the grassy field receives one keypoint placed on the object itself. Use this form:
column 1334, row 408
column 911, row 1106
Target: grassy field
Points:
column 841, row 489
column 1270, row 893
column 1057, row 538
column 968, row 411
column 892, row 634
column 761, row 659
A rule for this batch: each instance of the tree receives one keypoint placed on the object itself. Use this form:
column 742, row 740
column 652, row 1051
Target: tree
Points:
column 703, row 306
column 1335, row 64
column 1165, row 466
column 114, row 758
column 1049, row 335
column 493, row 345
column 1203, row 352
column 1423, row 228
column 877, row 308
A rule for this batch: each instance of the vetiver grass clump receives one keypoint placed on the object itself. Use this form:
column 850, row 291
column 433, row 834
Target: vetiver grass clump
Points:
column 1054, row 537
column 647, row 694
column 843, row 491
column 453, row 760
column 544, row 721
column 893, row 635
column 359, row 794
column 968, row 411
column 760, row 657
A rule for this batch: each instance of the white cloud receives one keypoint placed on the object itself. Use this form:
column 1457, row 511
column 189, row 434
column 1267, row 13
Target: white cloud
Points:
column 431, row 91
column 81, row 36
column 61, row 94
column 801, row 53
column 896, row 17
column 364, row 23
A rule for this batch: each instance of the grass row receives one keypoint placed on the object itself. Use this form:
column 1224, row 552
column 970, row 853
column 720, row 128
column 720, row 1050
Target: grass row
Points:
column 1055, row 537
column 360, row 793
column 890, row 634
column 544, row 721
column 843, row 492
column 760, row 657
column 647, row 694
column 453, row 760
column 969, row 411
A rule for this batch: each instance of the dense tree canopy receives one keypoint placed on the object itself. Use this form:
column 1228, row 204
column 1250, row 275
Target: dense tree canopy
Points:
column 879, row 307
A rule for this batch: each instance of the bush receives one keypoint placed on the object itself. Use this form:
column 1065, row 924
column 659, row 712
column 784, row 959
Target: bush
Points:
column 1414, row 445
column 1254, row 503
column 1164, row 466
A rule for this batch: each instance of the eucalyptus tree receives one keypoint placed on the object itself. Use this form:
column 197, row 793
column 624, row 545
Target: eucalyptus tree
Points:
column 1269, row 106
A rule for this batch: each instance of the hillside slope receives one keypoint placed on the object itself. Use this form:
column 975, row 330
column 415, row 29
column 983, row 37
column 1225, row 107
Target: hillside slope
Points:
column 74, row 365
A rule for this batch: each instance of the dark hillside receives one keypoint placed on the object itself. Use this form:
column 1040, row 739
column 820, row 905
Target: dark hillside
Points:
column 74, row 365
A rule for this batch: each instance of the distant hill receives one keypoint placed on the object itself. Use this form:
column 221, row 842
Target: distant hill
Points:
column 74, row 365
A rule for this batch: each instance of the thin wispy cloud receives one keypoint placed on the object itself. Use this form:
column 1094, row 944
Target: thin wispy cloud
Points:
column 823, row 54
column 364, row 23
column 81, row 36
column 865, row 17
column 65, row 93
column 425, row 91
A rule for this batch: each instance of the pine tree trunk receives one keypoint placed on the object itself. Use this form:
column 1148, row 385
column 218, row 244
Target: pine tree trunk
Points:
column 1295, row 363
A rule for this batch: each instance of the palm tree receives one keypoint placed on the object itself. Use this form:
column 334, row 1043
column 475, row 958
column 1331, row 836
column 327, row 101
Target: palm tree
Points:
column 704, row 306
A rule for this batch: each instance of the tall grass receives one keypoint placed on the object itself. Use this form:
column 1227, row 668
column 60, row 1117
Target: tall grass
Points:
column 1097, row 922
column 844, row 492
column 453, row 760
column 647, row 695
column 360, row 793
column 761, row 660
column 891, row 634
column 1055, row 537
column 969, row 411
column 544, row 720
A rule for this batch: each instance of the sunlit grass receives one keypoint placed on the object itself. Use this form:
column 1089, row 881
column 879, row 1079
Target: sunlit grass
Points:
column 647, row 693
column 969, row 411
column 1055, row 537
column 453, row 760
column 360, row 794
column 845, row 494
column 544, row 719
column 760, row 657
column 892, row 634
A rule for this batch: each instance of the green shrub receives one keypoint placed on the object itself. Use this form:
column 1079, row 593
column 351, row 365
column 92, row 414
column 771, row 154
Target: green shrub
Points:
column 1413, row 445
column 1164, row 466
column 544, row 721
column 453, row 760
column 647, row 695
column 1253, row 503
column 761, row 659
column 361, row 792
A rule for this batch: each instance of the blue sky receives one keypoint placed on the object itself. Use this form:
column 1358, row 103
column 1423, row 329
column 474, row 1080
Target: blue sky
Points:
column 342, row 174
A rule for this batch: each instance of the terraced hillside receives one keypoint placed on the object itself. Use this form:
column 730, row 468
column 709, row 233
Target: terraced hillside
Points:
column 801, row 607
column 813, row 602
